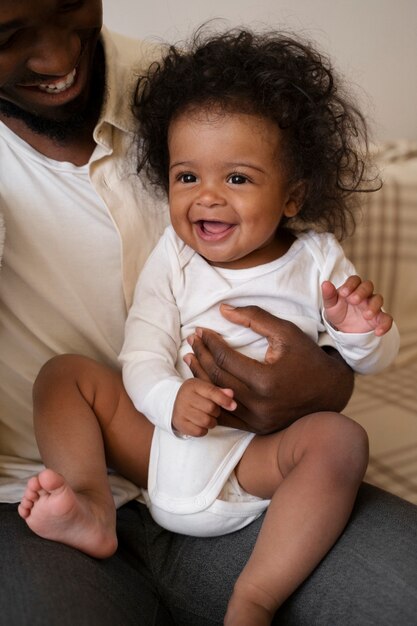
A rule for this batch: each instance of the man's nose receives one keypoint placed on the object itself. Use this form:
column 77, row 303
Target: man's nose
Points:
column 55, row 54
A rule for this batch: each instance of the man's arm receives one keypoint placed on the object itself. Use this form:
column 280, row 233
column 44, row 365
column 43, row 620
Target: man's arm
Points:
column 298, row 377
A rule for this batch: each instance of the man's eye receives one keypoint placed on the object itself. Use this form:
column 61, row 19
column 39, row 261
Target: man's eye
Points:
column 237, row 179
column 188, row 178
column 8, row 42
column 71, row 6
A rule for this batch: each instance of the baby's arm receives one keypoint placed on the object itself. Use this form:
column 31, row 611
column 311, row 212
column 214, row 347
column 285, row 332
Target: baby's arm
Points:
column 354, row 307
column 150, row 352
column 198, row 405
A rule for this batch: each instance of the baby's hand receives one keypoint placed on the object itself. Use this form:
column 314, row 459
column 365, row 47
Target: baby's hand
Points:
column 197, row 407
column 354, row 307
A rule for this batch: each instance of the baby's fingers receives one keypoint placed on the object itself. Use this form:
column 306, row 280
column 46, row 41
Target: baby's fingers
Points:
column 349, row 286
column 373, row 306
column 216, row 397
column 384, row 323
column 362, row 291
column 374, row 314
column 329, row 294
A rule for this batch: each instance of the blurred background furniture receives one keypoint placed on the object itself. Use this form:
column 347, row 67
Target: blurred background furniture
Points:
column 384, row 249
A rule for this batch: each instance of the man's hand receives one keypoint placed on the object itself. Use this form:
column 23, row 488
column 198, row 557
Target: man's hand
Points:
column 297, row 377
column 198, row 405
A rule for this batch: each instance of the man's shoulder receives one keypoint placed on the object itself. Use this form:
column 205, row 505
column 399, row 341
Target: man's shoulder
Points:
column 137, row 54
column 125, row 60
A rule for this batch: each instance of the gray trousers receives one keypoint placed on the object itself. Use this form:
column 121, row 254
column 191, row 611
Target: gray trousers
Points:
column 157, row 578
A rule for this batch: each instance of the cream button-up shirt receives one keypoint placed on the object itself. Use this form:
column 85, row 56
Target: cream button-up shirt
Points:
column 138, row 214
column 71, row 234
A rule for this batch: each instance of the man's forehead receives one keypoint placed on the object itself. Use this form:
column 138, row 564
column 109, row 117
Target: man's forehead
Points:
column 12, row 9
column 20, row 10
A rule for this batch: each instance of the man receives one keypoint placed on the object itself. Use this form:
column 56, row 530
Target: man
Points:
column 79, row 225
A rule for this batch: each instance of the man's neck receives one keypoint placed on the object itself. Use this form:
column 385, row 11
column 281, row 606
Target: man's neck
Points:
column 77, row 150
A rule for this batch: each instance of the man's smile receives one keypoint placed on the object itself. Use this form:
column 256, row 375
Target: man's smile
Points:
column 55, row 86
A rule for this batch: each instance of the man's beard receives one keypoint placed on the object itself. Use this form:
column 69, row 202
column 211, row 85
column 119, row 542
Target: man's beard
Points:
column 79, row 120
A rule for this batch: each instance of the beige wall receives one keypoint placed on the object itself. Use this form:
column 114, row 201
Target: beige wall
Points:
column 372, row 42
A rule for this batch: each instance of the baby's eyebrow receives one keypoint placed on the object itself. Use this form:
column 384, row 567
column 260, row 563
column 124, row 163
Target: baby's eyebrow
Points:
column 237, row 164
column 181, row 164
column 230, row 165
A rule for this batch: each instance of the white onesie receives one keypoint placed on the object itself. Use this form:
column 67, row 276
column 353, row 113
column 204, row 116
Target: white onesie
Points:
column 191, row 487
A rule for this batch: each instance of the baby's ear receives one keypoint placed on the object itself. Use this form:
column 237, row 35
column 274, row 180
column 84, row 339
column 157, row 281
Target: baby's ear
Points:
column 296, row 197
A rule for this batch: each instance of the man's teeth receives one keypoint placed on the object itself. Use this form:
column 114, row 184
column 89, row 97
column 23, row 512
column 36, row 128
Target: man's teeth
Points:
column 60, row 85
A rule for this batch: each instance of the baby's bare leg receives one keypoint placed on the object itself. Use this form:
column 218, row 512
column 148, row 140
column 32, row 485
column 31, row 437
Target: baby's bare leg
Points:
column 84, row 422
column 312, row 471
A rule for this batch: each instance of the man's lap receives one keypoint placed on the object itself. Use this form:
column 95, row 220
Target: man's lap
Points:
column 368, row 578
column 44, row 583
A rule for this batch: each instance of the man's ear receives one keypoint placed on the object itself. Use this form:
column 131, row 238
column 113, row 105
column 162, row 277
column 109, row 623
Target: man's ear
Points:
column 296, row 197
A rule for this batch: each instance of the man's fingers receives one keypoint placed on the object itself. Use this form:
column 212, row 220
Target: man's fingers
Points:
column 260, row 321
column 233, row 421
column 275, row 330
column 195, row 367
column 225, row 366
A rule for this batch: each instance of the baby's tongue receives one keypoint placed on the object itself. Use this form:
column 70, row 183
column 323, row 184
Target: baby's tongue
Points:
column 215, row 227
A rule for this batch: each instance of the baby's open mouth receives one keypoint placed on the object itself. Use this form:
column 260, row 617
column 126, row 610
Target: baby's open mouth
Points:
column 214, row 228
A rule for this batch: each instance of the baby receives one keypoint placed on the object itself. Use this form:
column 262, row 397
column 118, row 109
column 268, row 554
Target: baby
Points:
column 259, row 153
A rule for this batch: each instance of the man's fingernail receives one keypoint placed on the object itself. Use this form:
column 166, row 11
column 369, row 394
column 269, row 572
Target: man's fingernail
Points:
column 190, row 340
column 187, row 360
column 199, row 332
column 228, row 307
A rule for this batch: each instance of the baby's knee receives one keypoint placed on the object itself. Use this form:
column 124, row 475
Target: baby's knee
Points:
column 343, row 446
column 61, row 370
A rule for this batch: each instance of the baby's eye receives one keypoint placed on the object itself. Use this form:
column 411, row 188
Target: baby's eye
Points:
column 187, row 178
column 237, row 179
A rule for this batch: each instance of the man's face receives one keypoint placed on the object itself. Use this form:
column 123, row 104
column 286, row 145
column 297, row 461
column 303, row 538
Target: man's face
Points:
column 47, row 52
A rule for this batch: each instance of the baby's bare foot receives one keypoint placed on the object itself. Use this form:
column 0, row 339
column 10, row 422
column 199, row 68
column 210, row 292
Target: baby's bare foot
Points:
column 54, row 511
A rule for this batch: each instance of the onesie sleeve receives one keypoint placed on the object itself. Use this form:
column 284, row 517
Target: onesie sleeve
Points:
column 152, row 340
column 365, row 353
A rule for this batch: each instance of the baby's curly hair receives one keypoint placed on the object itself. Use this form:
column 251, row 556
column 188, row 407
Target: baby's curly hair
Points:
column 272, row 75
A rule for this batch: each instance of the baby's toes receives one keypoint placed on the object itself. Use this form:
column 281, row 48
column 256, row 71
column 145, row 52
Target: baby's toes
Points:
column 33, row 484
column 25, row 507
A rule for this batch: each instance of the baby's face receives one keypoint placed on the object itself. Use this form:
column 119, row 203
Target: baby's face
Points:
column 228, row 190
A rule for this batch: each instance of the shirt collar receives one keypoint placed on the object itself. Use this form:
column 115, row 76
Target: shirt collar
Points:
column 120, row 81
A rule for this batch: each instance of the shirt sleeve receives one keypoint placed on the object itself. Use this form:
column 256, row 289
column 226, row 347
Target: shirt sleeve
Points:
column 366, row 353
column 152, row 340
